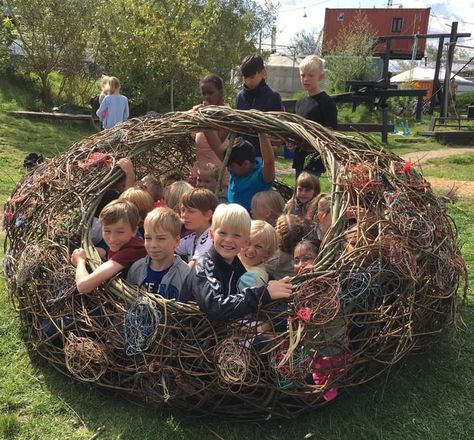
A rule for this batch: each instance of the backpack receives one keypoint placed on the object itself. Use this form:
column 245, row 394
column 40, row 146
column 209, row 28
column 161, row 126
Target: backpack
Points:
column 32, row 159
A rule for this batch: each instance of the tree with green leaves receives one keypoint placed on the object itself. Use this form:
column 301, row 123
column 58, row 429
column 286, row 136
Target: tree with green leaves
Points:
column 7, row 36
column 160, row 49
column 52, row 34
column 350, row 55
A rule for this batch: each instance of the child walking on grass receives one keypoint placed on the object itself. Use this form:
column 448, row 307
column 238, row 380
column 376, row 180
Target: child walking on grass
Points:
column 213, row 282
column 114, row 108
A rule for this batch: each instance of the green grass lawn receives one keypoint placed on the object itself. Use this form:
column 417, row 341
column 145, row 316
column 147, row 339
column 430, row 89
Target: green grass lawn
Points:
column 426, row 396
column 459, row 167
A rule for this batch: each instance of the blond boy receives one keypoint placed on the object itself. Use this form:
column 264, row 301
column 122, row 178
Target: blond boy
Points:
column 318, row 106
column 119, row 220
column 161, row 271
column 213, row 282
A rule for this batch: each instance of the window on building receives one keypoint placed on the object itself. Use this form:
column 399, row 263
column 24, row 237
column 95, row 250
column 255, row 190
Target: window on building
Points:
column 397, row 23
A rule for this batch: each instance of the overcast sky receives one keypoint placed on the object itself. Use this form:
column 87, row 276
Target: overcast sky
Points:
column 290, row 18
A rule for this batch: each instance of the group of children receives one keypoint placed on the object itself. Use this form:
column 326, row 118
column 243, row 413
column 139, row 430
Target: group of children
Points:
column 180, row 241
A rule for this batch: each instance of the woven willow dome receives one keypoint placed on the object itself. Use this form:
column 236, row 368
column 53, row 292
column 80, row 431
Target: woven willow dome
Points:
column 382, row 286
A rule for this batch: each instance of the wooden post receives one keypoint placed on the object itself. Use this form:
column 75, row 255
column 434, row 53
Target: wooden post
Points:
column 172, row 95
column 436, row 92
column 449, row 65
column 383, row 101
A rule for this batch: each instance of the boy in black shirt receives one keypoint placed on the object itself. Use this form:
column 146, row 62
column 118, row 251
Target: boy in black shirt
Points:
column 318, row 106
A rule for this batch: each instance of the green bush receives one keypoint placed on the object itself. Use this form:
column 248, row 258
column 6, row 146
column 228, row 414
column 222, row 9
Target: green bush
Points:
column 463, row 100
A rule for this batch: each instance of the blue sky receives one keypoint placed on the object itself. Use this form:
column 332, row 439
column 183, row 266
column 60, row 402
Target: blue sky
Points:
column 290, row 18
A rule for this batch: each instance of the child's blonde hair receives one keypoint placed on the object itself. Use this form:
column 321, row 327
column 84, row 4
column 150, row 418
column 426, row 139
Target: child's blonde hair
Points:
column 312, row 64
column 118, row 210
column 200, row 198
column 104, row 82
column 290, row 230
column 113, row 85
column 272, row 201
column 260, row 229
column 174, row 193
column 321, row 203
column 163, row 219
column 233, row 218
column 140, row 198
column 308, row 181
column 325, row 204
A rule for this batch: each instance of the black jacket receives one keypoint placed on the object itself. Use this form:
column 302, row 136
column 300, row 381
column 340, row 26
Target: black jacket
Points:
column 261, row 98
column 212, row 284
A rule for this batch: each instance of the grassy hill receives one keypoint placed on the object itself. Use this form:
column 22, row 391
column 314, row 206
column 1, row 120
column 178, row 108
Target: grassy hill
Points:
column 427, row 396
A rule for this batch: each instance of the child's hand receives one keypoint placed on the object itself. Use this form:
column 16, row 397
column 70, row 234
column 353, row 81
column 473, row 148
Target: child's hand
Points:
column 126, row 165
column 77, row 255
column 279, row 289
column 198, row 106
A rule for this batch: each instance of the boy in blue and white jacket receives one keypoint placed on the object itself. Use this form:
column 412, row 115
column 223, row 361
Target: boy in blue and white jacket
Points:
column 161, row 271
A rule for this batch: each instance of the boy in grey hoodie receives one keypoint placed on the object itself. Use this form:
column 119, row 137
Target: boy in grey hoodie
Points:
column 161, row 271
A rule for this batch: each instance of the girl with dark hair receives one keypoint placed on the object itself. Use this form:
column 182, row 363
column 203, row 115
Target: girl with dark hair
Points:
column 211, row 145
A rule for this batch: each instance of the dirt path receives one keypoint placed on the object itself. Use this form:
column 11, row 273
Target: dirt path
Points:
column 464, row 188
column 423, row 156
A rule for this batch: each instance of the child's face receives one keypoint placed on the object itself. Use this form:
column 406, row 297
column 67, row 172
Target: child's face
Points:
column 325, row 221
column 211, row 95
column 194, row 219
column 160, row 245
column 155, row 192
column 254, row 253
column 303, row 194
column 206, row 180
column 303, row 259
column 118, row 234
column 259, row 212
column 240, row 170
column 228, row 243
column 310, row 80
column 254, row 80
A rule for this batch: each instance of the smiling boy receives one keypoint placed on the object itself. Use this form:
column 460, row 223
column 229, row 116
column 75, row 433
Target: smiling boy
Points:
column 119, row 220
column 160, row 272
column 213, row 282
column 197, row 207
